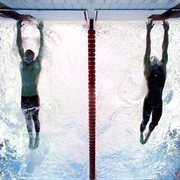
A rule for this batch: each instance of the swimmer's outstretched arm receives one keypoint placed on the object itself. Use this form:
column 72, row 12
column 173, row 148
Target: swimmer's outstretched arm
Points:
column 147, row 62
column 19, row 39
column 40, row 27
column 165, row 43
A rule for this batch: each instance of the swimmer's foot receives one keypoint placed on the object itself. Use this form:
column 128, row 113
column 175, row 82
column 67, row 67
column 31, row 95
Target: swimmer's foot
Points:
column 36, row 143
column 1, row 145
column 141, row 138
column 31, row 143
column 147, row 135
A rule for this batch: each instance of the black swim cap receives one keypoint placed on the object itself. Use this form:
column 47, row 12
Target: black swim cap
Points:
column 30, row 52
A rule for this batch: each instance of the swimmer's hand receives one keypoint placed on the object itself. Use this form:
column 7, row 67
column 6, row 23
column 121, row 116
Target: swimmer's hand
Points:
column 19, row 24
column 149, row 25
column 166, row 26
column 40, row 26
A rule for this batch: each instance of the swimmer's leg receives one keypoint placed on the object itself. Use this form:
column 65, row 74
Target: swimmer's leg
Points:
column 28, row 117
column 36, row 142
column 37, row 127
column 146, row 115
column 36, row 120
column 31, row 142
column 156, row 115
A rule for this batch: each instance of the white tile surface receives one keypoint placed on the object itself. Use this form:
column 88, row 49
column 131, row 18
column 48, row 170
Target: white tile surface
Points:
column 58, row 5
column 124, row 1
column 137, row 1
column 56, row 1
column 111, row 1
column 125, row 15
column 71, row 1
column 83, row 1
column 91, row 6
column 56, row 15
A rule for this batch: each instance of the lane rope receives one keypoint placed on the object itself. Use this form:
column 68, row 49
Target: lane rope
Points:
column 92, row 100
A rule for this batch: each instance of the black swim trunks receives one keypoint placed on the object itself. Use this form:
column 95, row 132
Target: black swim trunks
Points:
column 30, row 102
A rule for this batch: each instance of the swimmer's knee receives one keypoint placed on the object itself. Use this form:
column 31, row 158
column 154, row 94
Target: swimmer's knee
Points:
column 142, row 127
column 152, row 126
column 143, row 124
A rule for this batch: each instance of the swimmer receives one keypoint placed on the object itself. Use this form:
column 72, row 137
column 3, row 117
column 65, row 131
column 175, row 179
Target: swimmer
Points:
column 155, row 75
column 30, row 68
